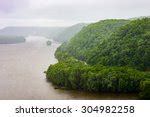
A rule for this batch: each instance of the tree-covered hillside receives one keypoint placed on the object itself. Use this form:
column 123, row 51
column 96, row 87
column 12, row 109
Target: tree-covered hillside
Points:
column 82, row 44
column 69, row 32
column 107, row 56
column 112, row 43
column 128, row 46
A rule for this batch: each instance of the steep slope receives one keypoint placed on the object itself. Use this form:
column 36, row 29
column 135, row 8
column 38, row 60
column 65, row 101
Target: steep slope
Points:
column 112, row 43
column 130, row 46
column 103, row 56
column 83, row 43
column 69, row 32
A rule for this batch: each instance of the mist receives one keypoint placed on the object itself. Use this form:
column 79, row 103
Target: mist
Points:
column 67, row 12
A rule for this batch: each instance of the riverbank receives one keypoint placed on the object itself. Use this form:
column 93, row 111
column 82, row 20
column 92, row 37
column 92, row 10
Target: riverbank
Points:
column 21, row 75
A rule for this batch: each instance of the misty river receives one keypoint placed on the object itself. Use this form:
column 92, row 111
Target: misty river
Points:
column 22, row 75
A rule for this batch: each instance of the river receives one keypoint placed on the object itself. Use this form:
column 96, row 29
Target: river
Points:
column 22, row 75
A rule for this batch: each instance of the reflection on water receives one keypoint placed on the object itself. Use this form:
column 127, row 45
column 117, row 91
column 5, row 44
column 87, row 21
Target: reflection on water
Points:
column 22, row 77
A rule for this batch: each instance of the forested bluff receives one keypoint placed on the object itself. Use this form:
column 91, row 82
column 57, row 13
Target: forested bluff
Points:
column 107, row 56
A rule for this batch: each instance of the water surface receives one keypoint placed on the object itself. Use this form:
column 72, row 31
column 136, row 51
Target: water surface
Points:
column 21, row 73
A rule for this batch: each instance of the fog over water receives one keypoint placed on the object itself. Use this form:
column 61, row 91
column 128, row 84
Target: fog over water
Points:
column 21, row 73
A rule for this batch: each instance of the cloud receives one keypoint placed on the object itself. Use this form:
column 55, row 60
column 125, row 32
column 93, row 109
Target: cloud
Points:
column 71, row 10
column 33, row 22
column 89, row 10
column 10, row 6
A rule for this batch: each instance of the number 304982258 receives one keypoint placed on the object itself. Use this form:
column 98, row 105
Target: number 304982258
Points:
column 108, row 109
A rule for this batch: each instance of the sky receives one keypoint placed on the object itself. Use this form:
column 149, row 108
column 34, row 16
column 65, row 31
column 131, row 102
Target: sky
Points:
column 68, row 12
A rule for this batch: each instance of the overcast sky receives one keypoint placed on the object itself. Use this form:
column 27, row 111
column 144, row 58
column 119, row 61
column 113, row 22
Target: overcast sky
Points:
column 68, row 12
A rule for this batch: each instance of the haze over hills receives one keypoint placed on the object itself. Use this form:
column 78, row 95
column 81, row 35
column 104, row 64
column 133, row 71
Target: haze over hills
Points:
column 69, row 32
column 26, row 31
column 60, row 34
column 141, row 17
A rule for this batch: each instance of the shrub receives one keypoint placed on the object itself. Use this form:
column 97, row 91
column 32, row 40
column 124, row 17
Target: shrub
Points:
column 145, row 90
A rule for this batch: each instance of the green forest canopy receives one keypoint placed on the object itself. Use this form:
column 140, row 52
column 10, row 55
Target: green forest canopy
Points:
column 112, row 43
column 106, row 56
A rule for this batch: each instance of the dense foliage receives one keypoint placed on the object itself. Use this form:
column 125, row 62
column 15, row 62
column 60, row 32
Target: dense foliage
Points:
column 106, row 57
column 11, row 39
column 145, row 90
column 130, row 46
column 112, row 43
column 82, row 44
column 75, row 74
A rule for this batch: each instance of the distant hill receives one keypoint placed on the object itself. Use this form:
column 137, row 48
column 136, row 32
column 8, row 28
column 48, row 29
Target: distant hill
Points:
column 50, row 32
column 11, row 39
column 60, row 34
column 69, row 32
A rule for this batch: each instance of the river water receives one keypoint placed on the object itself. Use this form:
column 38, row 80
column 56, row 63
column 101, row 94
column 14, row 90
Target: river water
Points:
column 21, row 73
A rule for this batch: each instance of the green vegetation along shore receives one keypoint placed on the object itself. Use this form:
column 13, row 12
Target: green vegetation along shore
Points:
column 107, row 56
